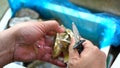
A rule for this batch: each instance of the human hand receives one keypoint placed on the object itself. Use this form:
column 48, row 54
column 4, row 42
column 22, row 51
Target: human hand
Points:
column 33, row 41
column 90, row 57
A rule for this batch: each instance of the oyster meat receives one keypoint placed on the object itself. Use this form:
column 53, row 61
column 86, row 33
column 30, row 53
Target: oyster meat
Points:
column 62, row 42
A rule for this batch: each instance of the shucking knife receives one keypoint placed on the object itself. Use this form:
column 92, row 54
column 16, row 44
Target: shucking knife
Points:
column 78, row 44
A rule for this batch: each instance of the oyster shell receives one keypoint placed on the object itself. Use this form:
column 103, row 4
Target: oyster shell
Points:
column 62, row 42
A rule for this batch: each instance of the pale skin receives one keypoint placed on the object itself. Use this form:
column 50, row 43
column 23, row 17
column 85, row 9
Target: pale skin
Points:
column 28, row 42
column 32, row 41
column 90, row 57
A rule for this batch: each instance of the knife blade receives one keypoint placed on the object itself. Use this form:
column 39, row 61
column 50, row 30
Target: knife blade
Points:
column 78, row 44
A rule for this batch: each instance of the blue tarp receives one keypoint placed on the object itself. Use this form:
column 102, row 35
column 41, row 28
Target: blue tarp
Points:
column 101, row 29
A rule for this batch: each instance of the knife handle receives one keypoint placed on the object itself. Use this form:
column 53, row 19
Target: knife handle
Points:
column 79, row 46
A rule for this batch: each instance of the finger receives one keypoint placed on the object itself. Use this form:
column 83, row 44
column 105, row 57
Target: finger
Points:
column 46, row 57
column 87, row 44
column 73, row 52
column 88, row 47
column 51, row 25
column 57, row 62
column 52, row 33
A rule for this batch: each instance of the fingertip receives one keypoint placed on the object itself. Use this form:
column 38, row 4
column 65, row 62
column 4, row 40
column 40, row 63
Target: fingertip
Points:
column 61, row 29
column 61, row 64
column 58, row 62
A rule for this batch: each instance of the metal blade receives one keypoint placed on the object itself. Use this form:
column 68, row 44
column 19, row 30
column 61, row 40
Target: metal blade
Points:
column 76, row 32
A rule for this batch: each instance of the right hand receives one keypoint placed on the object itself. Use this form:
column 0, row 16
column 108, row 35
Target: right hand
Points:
column 90, row 57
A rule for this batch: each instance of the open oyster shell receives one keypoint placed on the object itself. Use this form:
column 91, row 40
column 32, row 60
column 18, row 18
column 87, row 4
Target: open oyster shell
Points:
column 62, row 42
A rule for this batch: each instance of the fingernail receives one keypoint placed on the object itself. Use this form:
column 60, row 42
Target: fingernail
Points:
column 61, row 29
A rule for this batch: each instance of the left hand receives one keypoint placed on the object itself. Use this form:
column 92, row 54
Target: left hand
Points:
column 33, row 41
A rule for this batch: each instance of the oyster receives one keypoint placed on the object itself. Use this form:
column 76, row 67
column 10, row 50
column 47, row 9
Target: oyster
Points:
column 62, row 42
column 26, row 12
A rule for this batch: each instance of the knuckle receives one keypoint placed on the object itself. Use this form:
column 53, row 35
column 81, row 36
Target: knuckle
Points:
column 103, row 54
column 95, row 49
column 88, row 41
column 72, row 63
column 54, row 21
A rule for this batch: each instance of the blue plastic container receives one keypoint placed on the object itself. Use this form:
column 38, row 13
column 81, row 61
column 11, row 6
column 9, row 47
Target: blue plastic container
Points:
column 100, row 29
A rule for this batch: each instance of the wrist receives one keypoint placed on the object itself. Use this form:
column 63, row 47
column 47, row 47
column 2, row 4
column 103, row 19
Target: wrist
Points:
column 7, row 43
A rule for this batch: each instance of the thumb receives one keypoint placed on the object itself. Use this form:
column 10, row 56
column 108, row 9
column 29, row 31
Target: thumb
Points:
column 73, row 52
